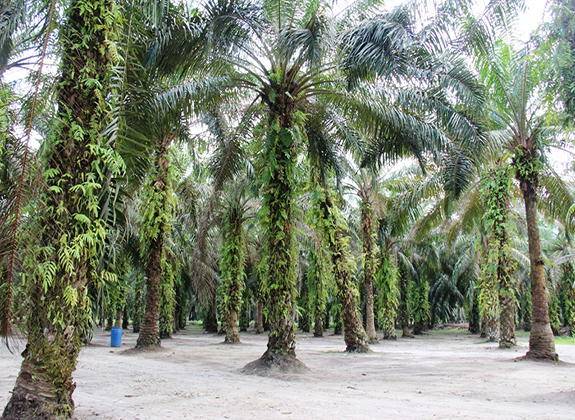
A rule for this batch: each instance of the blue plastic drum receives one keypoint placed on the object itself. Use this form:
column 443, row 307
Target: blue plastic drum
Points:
column 116, row 340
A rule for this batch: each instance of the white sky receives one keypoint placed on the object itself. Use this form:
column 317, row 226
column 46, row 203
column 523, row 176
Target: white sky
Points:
column 532, row 17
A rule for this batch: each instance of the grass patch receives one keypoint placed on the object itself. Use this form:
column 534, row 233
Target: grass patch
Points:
column 447, row 331
column 565, row 340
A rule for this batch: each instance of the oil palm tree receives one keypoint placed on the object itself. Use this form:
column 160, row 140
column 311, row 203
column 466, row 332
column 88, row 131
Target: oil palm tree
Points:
column 155, row 102
column 282, row 53
column 514, row 79
column 70, row 231
column 366, row 191
column 233, row 258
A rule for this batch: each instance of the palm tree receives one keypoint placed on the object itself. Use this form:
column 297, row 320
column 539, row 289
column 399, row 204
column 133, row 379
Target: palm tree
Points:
column 291, row 41
column 284, row 55
column 498, row 264
column 156, row 100
column 333, row 230
column 70, row 230
column 514, row 78
column 366, row 193
column 233, row 259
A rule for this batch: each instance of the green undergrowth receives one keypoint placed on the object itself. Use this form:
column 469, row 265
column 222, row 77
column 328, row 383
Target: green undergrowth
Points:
column 446, row 332
column 564, row 339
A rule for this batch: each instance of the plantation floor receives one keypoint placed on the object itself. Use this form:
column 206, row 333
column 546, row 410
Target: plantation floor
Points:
column 441, row 375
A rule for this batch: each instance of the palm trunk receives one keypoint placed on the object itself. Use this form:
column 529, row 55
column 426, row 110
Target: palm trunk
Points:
column 167, row 300
column 232, row 327
column 355, row 338
column 474, row 318
column 260, row 317
column 497, row 296
column 569, row 297
column 125, row 318
column 138, row 306
column 44, row 386
column 368, row 260
column 421, row 307
column 318, row 324
column 541, row 340
column 403, row 310
column 118, row 322
column 211, row 321
column 389, row 325
column 281, row 274
column 244, row 316
column 507, row 315
column 386, row 280
column 489, row 295
column 232, row 270
column 153, row 232
column 149, row 330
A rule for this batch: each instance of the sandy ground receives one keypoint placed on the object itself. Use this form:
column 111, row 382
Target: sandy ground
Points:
column 441, row 375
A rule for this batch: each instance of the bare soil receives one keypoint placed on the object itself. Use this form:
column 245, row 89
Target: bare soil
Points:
column 446, row 374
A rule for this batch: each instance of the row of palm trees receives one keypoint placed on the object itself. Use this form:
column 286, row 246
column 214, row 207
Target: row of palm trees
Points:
column 289, row 91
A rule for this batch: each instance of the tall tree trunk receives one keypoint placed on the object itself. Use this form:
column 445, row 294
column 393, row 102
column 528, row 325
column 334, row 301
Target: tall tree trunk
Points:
column 138, row 305
column 474, row 318
column 355, row 338
column 244, row 316
column 260, row 317
column 149, row 330
column 118, row 321
column 569, row 297
column 125, row 318
column 232, row 263
column 154, row 228
column 211, row 314
column 280, row 258
column 316, row 288
column 72, row 232
column 421, row 307
column 498, row 286
column 386, row 280
column 507, row 314
column 318, row 324
column 541, row 339
column 403, row 310
column 368, row 263
column 280, row 263
column 167, row 300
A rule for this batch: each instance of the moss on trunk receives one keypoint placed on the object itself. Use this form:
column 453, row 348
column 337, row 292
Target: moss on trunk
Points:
column 232, row 264
column 368, row 264
column 156, row 223
column 355, row 338
column 280, row 247
column 403, row 309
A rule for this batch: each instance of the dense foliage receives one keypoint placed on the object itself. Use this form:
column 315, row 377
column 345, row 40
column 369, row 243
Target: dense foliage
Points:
column 192, row 163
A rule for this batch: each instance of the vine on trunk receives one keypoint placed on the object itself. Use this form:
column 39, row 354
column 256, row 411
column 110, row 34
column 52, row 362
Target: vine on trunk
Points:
column 421, row 306
column 368, row 262
column 157, row 223
column 318, row 273
column 388, row 292
column 232, row 273
column 277, row 217
column 498, row 289
column 71, row 232
column 332, row 227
